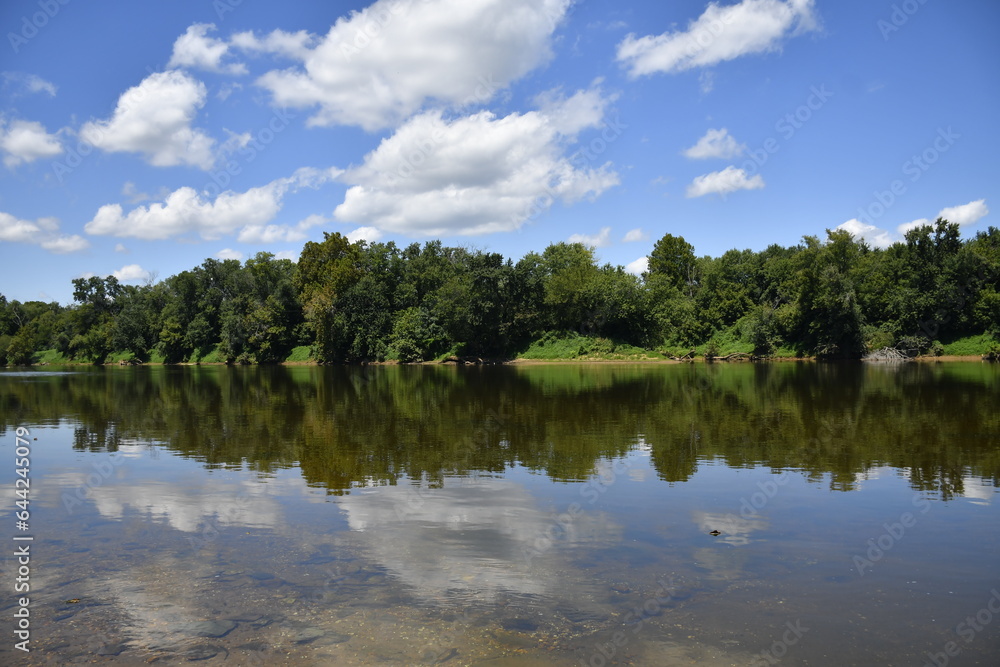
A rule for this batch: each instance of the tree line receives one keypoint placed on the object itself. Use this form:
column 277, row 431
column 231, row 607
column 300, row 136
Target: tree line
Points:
column 364, row 302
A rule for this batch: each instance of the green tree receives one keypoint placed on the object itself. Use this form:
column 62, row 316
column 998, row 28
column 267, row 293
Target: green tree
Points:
column 325, row 273
column 673, row 260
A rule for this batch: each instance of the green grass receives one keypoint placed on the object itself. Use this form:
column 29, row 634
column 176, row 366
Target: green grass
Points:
column 971, row 345
column 211, row 356
column 51, row 357
column 567, row 346
column 300, row 353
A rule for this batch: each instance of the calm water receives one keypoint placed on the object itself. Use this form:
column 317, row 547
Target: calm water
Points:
column 543, row 515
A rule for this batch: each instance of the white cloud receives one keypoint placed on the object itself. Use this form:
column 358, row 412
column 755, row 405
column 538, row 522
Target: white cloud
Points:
column 635, row 235
column 31, row 83
column 382, row 64
column 229, row 253
column 26, row 141
column 294, row 45
column 367, row 234
column 154, row 118
column 871, row 234
column 715, row 144
column 600, row 240
column 195, row 49
column 721, row 33
column 574, row 114
column 280, row 233
column 907, row 226
column 473, row 175
column 287, row 254
column 706, row 82
column 43, row 232
column 638, row 267
column 131, row 273
column 37, row 84
column 723, row 182
column 120, row 248
column 64, row 245
column 187, row 212
column 226, row 90
column 964, row 215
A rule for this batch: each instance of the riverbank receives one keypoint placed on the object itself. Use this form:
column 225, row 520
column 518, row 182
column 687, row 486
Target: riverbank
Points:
column 535, row 362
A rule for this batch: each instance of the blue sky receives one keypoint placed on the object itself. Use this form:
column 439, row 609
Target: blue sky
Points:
column 138, row 139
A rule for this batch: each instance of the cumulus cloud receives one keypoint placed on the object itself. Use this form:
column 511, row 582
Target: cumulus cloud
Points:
column 382, row 64
column 154, row 118
column 721, row 33
column 638, row 267
column 870, row 234
column 186, row 212
column 26, row 141
column 715, row 144
column 42, row 232
column 294, row 45
column 477, row 174
column 907, row 226
column 600, row 240
column 723, row 182
column 367, row 234
column 964, row 215
column 132, row 273
column 195, row 49
column 280, row 233
column 229, row 253
column 635, row 235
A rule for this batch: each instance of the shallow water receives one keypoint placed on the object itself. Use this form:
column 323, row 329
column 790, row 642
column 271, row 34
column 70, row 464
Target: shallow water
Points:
column 543, row 515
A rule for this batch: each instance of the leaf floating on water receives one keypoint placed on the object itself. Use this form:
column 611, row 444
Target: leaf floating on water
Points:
column 73, row 601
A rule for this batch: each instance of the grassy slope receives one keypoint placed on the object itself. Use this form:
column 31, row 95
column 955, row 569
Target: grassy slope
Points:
column 563, row 347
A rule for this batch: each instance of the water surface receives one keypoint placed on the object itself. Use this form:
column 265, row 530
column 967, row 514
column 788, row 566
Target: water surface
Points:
column 542, row 515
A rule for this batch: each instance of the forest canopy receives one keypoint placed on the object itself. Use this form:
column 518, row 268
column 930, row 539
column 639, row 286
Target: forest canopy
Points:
column 346, row 302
